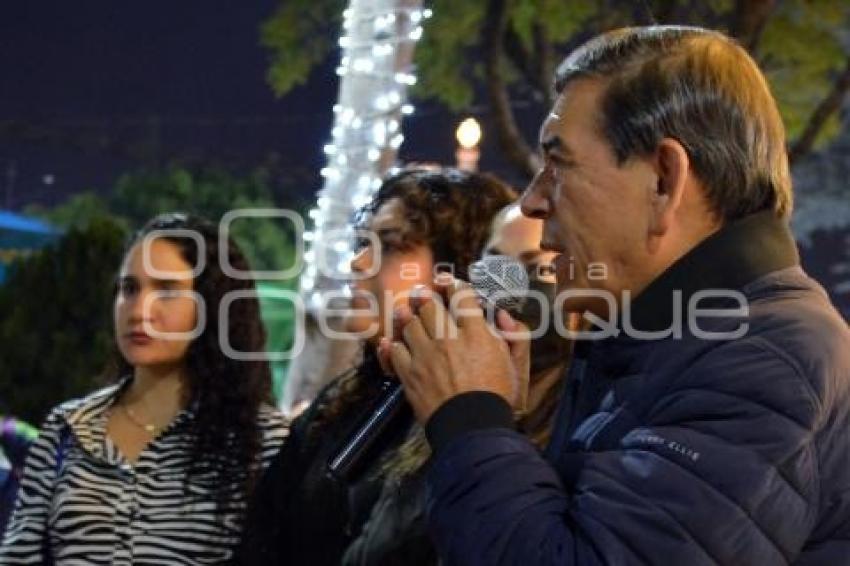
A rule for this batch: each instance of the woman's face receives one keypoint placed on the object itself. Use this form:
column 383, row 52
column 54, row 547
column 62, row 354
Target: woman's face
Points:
column 396, row 266
column 155, row 311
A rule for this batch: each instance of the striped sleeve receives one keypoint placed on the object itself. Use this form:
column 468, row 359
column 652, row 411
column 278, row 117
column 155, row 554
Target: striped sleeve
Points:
column 26, row 532
column 275, row 428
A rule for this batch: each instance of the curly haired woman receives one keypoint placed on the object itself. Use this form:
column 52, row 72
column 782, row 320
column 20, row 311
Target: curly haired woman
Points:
column 157, row 468
column 422, row 222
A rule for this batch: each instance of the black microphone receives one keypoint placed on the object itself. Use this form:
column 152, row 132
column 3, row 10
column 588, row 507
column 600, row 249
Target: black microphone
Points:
column 501, row 282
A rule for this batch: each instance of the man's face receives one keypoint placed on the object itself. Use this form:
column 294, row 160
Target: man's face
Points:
column 596, row 212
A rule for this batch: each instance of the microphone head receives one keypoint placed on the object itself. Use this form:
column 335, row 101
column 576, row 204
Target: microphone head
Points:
column 501, row 281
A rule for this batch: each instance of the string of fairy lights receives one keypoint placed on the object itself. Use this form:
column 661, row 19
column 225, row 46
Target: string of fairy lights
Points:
column 366, row 134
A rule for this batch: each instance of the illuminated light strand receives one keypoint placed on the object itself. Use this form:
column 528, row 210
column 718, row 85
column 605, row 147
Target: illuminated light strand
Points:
column 412, row 36
column 366, row 133
column 416, row 14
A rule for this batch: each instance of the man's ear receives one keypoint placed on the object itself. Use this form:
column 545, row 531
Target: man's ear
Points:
column 672, row 168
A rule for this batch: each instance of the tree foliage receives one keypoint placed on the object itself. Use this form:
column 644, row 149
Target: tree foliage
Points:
column 56, row 325
column 801, row 52
column 208, row 192
column 797, row 42
column 299, row 35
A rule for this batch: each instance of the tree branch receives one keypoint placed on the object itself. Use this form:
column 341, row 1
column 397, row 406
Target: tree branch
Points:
column 665, row 14
column 543, row 55
column 829, row 105
column 510, row 138
column 749, row 20
column 521, row 58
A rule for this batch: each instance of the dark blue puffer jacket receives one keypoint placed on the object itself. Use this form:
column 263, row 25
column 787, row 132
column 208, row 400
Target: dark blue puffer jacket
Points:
column 670, row 451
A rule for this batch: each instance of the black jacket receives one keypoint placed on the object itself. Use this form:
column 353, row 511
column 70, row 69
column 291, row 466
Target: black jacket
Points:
column 396, row 531
column 299, row 515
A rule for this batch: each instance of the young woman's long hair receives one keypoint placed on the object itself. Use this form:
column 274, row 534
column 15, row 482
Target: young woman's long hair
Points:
column 224, row 393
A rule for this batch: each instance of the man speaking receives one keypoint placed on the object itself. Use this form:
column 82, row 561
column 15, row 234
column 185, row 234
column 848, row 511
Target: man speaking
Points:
column 709, row 421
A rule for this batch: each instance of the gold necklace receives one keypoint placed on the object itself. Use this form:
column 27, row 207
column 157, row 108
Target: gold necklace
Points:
column 150, row 428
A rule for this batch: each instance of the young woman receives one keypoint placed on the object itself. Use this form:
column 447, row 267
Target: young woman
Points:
column 424, row 221
column 156, row 468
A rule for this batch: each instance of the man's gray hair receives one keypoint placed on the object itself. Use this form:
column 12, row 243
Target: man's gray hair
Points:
column 701, row 88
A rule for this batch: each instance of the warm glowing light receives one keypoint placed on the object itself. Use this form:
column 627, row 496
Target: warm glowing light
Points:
column 468, row 133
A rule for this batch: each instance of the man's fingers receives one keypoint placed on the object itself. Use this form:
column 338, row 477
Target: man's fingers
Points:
column 518, row 338
column 419, row 296
column 515, row 333
column 464, row 303
column 443, row 282
column 511, row 328
column 385, row 355
column 435, row 319
column 401, row 361
column 415, row 336
column 402, row 315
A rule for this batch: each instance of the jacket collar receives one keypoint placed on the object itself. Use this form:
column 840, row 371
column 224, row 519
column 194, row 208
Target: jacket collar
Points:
column 736, row 255
column 87, row 419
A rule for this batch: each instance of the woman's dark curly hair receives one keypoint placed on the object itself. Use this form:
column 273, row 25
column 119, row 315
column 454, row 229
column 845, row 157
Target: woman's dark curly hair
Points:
column 224, row 393
column 448, row 210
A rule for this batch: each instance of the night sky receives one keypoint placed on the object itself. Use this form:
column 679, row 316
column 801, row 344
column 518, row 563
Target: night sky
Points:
column 93, row 89
column 90, row 90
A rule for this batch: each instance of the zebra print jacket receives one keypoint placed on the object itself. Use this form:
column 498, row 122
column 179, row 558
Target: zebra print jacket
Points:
column 81, row 502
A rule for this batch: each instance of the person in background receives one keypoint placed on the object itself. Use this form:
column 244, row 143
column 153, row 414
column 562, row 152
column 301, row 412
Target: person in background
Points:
column 157, row 467
column 395, row 532
column 422, row 221
column 519, row 236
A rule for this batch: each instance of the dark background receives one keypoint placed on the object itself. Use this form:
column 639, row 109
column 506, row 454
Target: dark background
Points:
column 94, row 89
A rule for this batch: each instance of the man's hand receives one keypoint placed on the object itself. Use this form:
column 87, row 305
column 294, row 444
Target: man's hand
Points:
column 446, row 352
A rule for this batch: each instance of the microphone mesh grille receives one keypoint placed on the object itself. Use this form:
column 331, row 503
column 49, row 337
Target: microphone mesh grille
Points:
column 500, row 280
